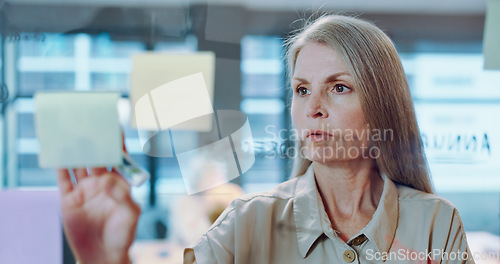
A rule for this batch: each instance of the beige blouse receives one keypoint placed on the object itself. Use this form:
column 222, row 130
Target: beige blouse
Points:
column 289, row 225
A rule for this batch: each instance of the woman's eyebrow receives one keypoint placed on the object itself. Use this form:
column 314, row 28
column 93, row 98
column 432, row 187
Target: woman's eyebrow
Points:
column 335, row 77
column 301, row 80
column 330, row 78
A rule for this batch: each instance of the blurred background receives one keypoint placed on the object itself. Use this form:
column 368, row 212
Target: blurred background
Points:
column 87, row 46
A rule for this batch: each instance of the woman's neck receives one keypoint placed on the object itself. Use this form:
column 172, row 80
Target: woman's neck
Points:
column 350, row 192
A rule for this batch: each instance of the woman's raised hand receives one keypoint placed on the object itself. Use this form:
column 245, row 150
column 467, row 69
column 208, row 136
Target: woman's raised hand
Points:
column 99, row 215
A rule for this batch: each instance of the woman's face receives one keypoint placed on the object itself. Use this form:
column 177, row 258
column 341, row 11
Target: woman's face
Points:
column 326, row 110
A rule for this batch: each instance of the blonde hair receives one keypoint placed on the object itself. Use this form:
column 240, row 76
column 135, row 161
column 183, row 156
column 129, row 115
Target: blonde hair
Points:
column 383, row 92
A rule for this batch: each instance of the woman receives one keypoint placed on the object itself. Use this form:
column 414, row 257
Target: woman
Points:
column 362, row 192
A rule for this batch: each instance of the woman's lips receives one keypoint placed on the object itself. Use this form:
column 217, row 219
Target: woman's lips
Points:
column 318, row 135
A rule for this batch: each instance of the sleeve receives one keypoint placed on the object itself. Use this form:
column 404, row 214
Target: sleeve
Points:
column 456, row 249
column 217, row 245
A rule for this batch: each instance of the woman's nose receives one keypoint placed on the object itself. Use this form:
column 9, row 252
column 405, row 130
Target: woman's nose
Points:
column 316, row 106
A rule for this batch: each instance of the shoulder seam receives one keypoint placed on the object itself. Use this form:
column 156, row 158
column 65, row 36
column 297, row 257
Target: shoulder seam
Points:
column 220, row 222
column 263, row 195
column 245, row 200
column 404, row 199
column 439, row 200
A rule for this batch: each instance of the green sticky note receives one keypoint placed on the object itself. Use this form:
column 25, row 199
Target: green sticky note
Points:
column 78, row 129
column 491, row 42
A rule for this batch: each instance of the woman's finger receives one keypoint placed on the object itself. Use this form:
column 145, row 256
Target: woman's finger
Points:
column 123, row 142
column 116, row 187
column 73, row 199
column 122, row 177
column 98, row 171
column 80, row 174
column 64, row 181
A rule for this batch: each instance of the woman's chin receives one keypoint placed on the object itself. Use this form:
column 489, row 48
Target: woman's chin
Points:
column 323, row 154
column 329, row 154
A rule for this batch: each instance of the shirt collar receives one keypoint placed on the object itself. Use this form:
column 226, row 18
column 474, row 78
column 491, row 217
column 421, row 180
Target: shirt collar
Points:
column 380, row 230
column 306, row 212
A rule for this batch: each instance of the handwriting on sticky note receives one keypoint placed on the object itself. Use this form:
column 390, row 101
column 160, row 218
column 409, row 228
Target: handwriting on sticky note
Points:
column 78, row 129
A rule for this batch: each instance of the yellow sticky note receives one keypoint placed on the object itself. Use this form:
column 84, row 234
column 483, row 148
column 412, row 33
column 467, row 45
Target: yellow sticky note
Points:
column 167, row 89
column 78, row 129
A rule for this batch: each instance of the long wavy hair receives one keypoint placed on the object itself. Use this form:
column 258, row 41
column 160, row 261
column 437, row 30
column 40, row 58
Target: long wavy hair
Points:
column 383, row 92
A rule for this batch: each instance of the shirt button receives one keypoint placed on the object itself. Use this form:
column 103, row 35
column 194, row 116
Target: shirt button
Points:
column 358, row 240
column 349, row 256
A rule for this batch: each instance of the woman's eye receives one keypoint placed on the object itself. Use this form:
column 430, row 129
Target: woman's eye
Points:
column 340, row 88
column 303, row 91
